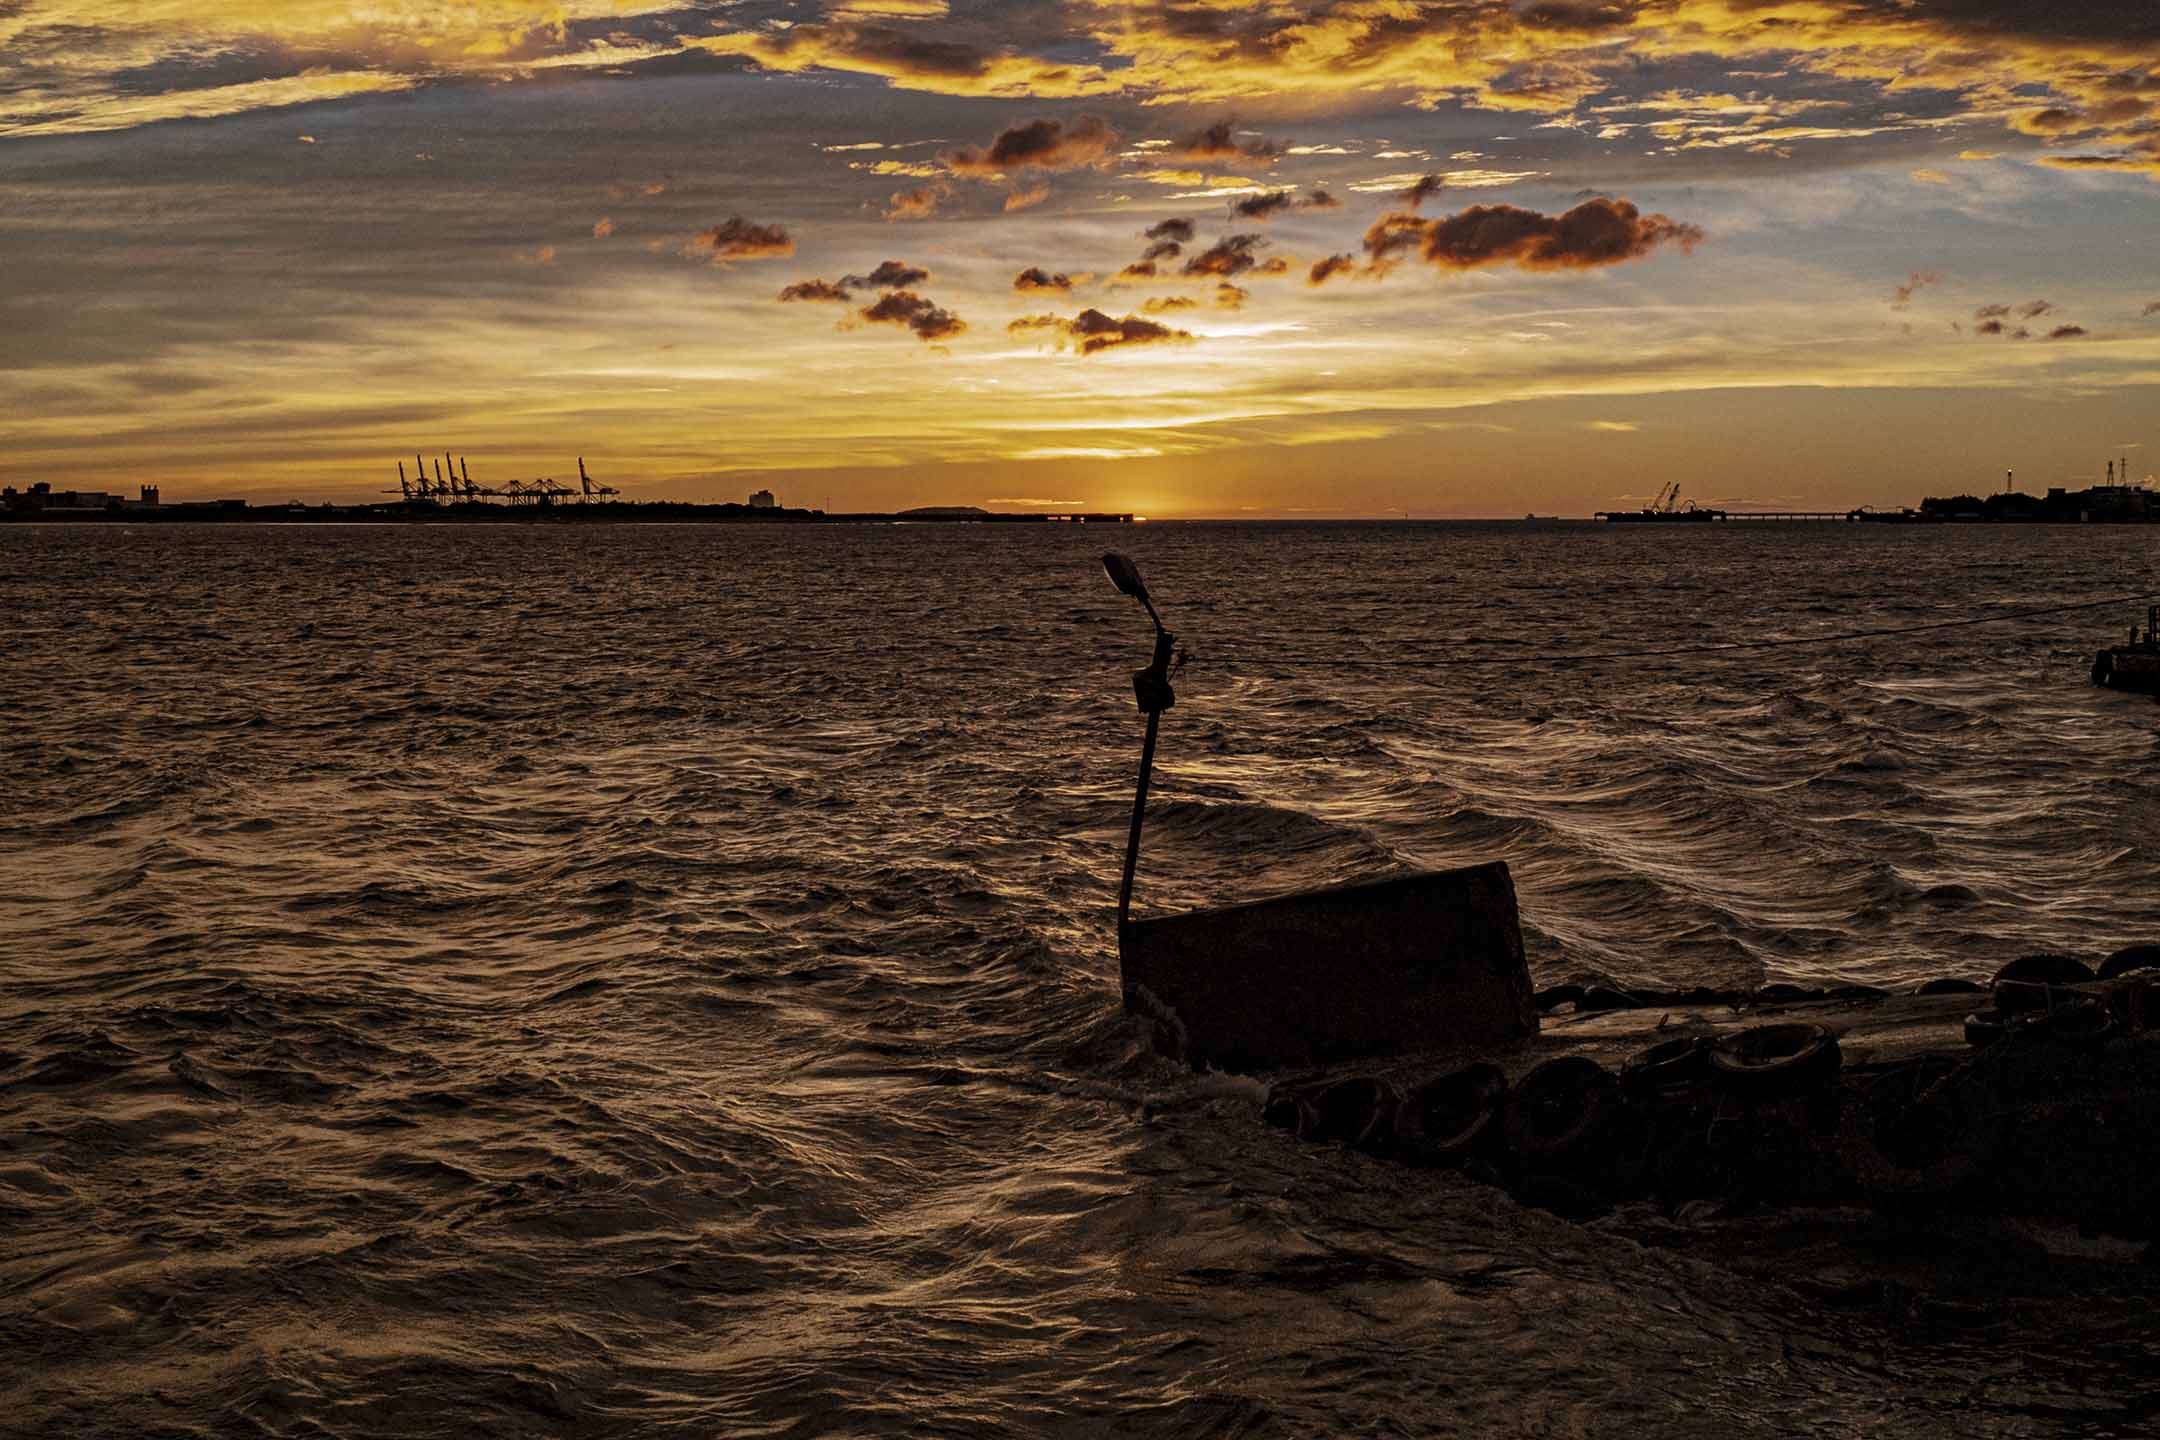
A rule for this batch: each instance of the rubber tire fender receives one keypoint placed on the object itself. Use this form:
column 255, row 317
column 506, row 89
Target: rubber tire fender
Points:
column 1358, row 1111
column 1557, row 1116
column 1451, row 1118
column 1671, row 1065
column 1890, row 1157
column 2047, row 969
column 1767, row 1062
column 2129, row 959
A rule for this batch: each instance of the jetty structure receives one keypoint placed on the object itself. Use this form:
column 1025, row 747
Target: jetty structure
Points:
column 2116, row 502
column 2133, row 665
column 1665, row 510
column 1397, row 1017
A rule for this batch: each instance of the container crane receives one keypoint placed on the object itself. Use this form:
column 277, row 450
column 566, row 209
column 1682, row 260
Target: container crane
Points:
column 593, row 491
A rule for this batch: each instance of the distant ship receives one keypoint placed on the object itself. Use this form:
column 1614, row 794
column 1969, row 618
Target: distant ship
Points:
column 1665, row 509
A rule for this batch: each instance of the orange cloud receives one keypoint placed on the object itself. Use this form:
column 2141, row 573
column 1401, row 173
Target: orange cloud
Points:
column 911, row 311
column 889, row 275
column 1217, row 144
column 1036, row 280
column 816, row 290
column 1091, row 332
column 1231, row 255
column 1326, row 270
column 918, row 204
column 739, row 239
column 1901, row 298
column 1595, row 233
column 912, row 60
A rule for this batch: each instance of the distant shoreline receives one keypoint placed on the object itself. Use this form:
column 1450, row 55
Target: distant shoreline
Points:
column 476, row 513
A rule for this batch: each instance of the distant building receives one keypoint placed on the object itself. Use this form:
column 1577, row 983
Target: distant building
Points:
column 763, row 500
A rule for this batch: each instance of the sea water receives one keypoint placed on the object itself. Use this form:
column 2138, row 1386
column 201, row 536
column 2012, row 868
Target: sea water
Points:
column 623, row 980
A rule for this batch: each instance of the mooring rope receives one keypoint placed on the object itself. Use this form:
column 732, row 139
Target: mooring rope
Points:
column 1526, row 655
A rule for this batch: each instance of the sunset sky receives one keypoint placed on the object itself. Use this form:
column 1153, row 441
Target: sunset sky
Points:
column 1802, row 253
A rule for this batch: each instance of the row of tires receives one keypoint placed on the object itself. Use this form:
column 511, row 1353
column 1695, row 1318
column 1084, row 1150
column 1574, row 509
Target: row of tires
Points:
column 1756, row 1115
column 1563, row 1111
column 1599, row 993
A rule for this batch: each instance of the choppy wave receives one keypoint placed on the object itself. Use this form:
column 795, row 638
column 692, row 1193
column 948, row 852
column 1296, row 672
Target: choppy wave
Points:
column 591, row 981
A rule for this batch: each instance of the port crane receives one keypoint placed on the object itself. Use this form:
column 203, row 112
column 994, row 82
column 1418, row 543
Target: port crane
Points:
column 594, row 491
column 457, row 484
column 453, row 482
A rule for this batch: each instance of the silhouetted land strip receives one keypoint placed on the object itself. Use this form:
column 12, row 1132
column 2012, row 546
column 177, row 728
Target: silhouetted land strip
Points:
column 226, row 512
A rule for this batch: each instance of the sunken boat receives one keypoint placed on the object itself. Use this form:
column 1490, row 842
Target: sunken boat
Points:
column 1397, row 1017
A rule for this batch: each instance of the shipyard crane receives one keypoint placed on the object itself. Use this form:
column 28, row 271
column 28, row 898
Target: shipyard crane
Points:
column 593, row 491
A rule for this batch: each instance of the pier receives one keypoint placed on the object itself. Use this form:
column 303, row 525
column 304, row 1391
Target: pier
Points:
column 1707, row 516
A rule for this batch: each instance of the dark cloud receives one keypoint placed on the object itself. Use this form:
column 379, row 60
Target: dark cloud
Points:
column 1176, row 228
column 889, row 275
column 1392, row 234
column 1091, row 331
column 1594, row 233
column 1138, row 270
column 1231, row 255
column 1165, row 303
column 1230, row 297
column 1162, row 250
column 1992, row 318
column 1421, row 190
column 1037, row 280
column 1268, row 203
column 1901, row 297
column 2066, row 332
column 1326, row 270
column 1218, row 144
column 925, row 319
column 2152, row 308
column 1038, row 145
column 2054, row 120
column 816, row 290
column 1579, row 15
column 739, row 239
